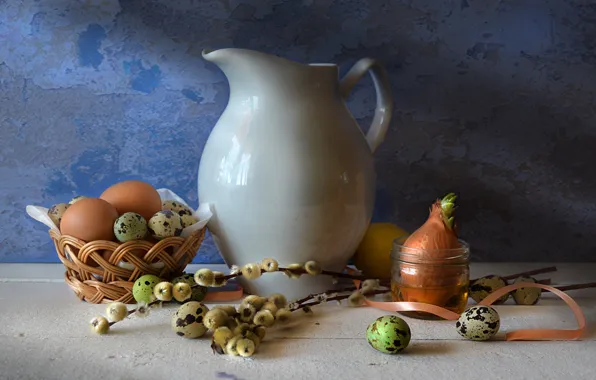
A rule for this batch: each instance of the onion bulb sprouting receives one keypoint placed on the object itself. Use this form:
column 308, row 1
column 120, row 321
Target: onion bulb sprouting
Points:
column 437, row 234
column 431, row 259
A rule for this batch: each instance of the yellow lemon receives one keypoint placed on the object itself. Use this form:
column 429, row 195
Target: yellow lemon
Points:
column 372, row 256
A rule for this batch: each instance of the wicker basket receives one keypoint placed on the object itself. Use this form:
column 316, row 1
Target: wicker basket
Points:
column 92, row 269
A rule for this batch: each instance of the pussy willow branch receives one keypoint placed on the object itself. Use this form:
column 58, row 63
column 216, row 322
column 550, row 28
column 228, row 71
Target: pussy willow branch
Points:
column 385, row 280
column 325, row 293
column 574, row 287
column 132, row 311
column 531, row 273
column 303, row 271
column 382, row 282
column 337, row 298
column 527, row 273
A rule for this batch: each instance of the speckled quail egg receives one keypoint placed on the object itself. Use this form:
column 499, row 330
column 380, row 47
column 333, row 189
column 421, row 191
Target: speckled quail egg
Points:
column 198, row 292
column 130, row 226
column 56, row 211
column 526, row 296
column 142, row 290
column 388, row 334
column 187, row 220
column 165, row 223
column 482, row 287
column 478, row 323
column 76, row 199
column 175, row 206
column 184, row 212
column 187, row 321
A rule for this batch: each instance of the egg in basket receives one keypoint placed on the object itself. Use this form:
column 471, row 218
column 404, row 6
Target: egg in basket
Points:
column 130, row 230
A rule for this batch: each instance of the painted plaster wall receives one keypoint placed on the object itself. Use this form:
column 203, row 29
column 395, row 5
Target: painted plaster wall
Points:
column 494, row 100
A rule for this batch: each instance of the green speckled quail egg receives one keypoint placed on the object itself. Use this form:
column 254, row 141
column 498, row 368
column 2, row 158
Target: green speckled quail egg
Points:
column 478, row 323
column 175, row 206
column 198, row 292
column 187, row 321
column 187, row 220
column 165, row 223
column 526, row 296
column 484, row 286
column 56, row 211
column 388, row 334
column 130, row 226
column 142, row 290
column 76, row 199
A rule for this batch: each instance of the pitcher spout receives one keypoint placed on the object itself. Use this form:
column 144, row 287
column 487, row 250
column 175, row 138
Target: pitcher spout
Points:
column 228, row 55
column 234, row 61
column 217, row 56
column 255, row 69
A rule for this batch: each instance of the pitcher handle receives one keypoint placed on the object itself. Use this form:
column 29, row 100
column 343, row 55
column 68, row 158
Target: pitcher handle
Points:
column 384, row 108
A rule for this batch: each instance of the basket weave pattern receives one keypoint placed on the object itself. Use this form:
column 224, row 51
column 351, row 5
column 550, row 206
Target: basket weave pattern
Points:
column 107, row 282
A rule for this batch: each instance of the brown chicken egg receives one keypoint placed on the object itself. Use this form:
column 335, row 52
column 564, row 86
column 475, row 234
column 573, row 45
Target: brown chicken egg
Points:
column 106, row 254
column 89, row 219
column 133, row 196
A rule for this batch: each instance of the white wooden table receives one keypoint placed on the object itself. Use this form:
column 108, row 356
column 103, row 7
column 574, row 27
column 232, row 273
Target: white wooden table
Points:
column 44, row 334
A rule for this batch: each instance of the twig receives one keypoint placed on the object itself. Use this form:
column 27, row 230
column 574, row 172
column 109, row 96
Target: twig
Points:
column 574, row 287
column 337, row 298
column 132, row 311
column 531, row 273
column 234, row 275
column 303, row 271
column 328, row 292
column 528, row 273
column 339, row 275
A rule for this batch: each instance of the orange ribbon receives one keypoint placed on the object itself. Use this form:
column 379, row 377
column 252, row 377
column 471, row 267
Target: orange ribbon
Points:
column 534, row 334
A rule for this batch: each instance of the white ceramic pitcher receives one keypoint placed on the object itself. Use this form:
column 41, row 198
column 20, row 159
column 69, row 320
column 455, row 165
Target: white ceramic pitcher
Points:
column 287, row 172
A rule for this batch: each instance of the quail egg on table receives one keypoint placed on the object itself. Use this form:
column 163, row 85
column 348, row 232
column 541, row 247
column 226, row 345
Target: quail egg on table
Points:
column 130, row 226
column 526, row 296
column 142, row 290
column 187, row 321
column 175, row 206
column 478, row 323
column 56, row 211
column 388, row 334
column 482, row 287
column 198, row 292
column 165, row 223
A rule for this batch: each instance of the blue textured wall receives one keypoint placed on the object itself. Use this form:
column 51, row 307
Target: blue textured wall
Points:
column 495, row 100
